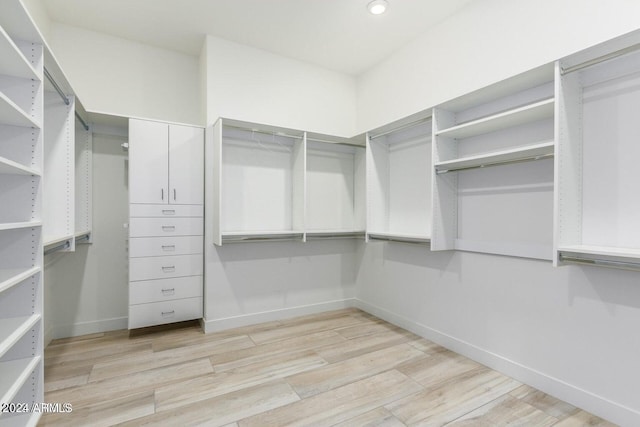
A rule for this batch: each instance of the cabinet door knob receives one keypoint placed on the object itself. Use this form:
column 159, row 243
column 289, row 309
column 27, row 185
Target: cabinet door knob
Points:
column 168, row 211
column 169, row 291
column 162, row 193
column 169, row 248
column 168, row 228
column 169, row 269
column 174, row 194
column 168, row 313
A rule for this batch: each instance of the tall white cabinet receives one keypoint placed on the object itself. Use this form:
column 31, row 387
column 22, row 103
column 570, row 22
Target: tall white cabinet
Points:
column 166, row 190
column 21, row 249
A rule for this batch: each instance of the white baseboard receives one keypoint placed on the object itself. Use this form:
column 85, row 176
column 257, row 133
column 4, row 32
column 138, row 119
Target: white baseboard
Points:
column 216, row 325
column 85, row 328
column 586, row 400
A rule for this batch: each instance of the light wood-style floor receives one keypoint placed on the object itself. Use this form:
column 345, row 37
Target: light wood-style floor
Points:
column 343, row 368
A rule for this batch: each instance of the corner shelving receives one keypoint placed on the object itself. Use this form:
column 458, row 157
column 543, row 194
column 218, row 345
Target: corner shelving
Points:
column 21, row 154
column 597, row 192
column 335, row 188
column 506, row 209
column 399, row 182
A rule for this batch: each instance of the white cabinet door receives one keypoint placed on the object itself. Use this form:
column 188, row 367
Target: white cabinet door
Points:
column 148, row 162
column 186, row 165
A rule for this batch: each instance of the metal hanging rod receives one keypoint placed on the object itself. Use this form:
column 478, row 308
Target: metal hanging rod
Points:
column 262, row 238
column 600, row 59
column 322, row 236
column 63, row 96
column 405, row 126
column 489, row 164
column 348, row 144
column 83, row 238
column 399, row 239
column 64, row 245
column 627, row 265
column 84, row 124
column 264, row 132
column 56, row 87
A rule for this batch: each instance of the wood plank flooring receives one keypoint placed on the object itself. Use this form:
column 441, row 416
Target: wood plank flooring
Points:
column 341, row 368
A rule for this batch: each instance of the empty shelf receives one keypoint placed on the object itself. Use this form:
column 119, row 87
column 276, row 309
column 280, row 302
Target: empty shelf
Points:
column 335, row 234
column 11, row 114
column 12, row 329
column 13, row 61
column 518, row 116
column 13, row 168
column 18, row 225
column 399, row 237
column 17, row 23
column 11, row 277
column 258, row 236
column 519, row 154
column 14, row 374
column 608, row 251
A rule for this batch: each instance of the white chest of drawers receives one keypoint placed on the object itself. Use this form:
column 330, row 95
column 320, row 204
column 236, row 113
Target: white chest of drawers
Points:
column 166, row 224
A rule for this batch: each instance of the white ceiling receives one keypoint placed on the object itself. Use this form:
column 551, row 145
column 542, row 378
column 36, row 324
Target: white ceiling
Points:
column 337, row 34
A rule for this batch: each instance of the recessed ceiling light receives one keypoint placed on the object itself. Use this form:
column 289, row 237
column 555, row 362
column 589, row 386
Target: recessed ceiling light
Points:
column 377, row 7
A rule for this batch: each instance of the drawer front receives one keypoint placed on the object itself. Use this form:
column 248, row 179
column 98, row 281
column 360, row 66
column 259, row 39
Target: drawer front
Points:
column 158, row 313
column 165, row 211
column 161, row 227
column 146, row 291
column 164, row 267
column 161, row 246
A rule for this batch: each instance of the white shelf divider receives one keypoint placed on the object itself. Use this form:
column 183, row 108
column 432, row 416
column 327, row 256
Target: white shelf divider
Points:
column 529, row 113
column 11, row 330
column 14, row 168
column 513, row 155
column 11, row 114
column 14, row 374
column 11, row 277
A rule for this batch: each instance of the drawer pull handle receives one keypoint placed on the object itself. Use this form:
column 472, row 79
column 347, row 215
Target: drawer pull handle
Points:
column 169, row 269
column 169, row 248
column 169, row 291
column 169, row 313
column 168, row 211
column 168, row 228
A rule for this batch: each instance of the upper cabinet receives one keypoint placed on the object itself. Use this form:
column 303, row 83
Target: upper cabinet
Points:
column 493, row 169
column 166, row 164
column 598, row 131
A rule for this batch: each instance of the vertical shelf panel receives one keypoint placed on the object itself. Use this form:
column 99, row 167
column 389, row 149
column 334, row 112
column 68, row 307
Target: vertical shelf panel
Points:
column 59, row 169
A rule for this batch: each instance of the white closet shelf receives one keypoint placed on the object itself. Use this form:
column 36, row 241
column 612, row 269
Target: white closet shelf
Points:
column 12, row 329
column 506, row 119
column 10, row 167
column 327, row 234
column 399, row 237
column 11, row 114
column 11, row 277
column 17, row 22
column 18, row 225
column 244, row 236
column 13, row 375
column 609, row 251
column 24, row 420
column 13, row 61
column 518, row 154
column 52, row 240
